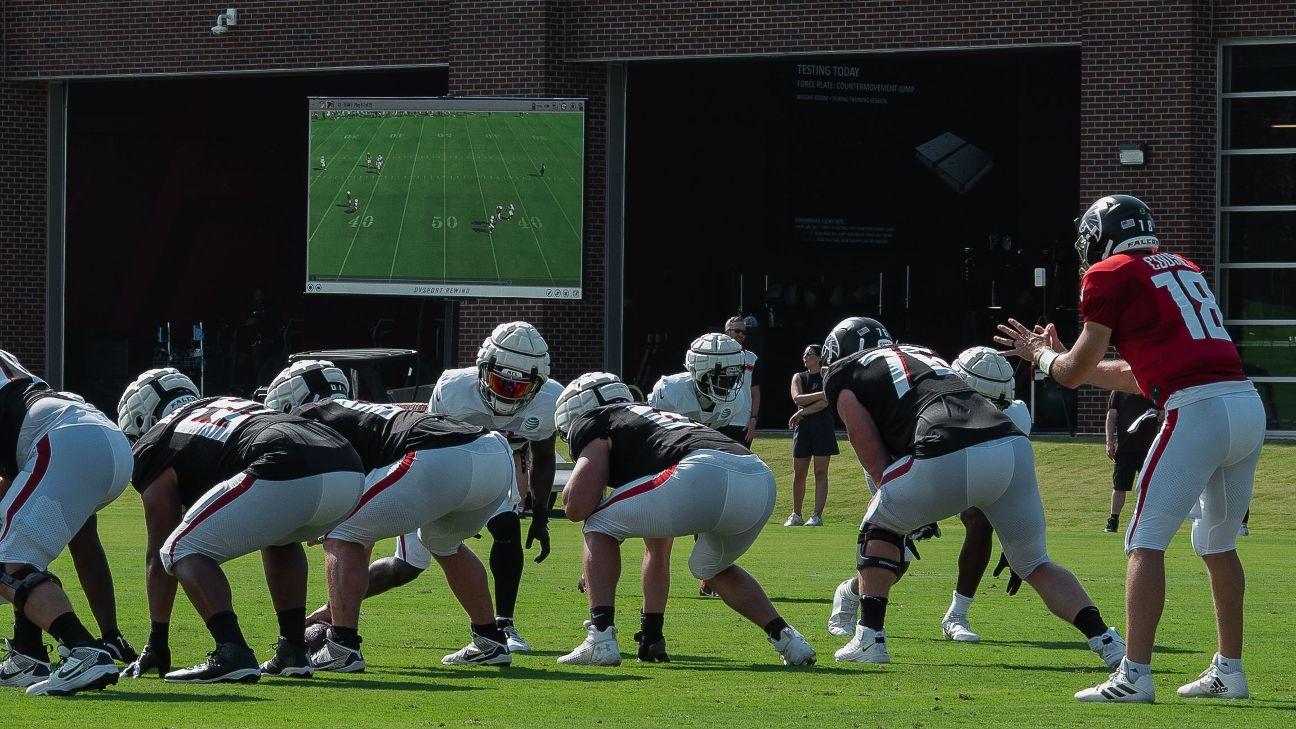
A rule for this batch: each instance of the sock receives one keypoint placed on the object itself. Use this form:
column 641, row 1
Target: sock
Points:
column 774, row 628
column 651, row 626
column 1227, row 665
column 159, row 635
column 69, row 631
column 224, row 628
column 292, row 625
column 503, row 622
column 1136, row 670
column 1114, row 516
column 960, row 605
column 506, row 560
column 602, row 616
column 492, row 631
column 349, row 637
column 872, row 611
column 27, row 637
column 1090, row 622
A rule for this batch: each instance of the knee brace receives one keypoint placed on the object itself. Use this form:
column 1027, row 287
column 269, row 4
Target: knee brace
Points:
column 23, row 581
column 505, row 528
column 868, row 534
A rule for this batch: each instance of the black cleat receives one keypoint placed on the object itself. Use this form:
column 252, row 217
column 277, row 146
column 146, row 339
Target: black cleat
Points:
column 229, row 663
column 654, row 652
column 120, row 650
column 291, row 660
column 1111, row 525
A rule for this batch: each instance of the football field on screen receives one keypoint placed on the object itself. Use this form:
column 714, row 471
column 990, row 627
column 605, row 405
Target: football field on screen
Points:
column 723, row 672
column 423, row 218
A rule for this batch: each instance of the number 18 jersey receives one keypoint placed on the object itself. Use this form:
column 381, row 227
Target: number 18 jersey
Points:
column 1164, row 321
column 644, row 440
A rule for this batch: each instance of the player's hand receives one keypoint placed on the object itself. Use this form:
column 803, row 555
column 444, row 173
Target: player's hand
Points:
column 1050, row 333
column 1014, row 580
column 750, row 433
column 1021, row 342
column 119, row 648
column 1111, row 450
column 539, row 531
column 927, row 531
column 149, row 659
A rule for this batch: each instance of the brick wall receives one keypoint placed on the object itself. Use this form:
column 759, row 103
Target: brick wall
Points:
column 23, row 153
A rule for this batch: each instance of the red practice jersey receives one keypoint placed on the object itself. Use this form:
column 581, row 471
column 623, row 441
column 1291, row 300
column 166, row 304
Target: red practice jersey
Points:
column 1164, row 321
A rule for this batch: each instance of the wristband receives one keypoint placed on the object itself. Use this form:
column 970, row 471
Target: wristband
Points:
column 1045, row 361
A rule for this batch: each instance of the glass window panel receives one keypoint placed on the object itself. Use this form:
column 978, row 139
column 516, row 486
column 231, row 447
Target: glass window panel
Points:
column 1259, row 123
column 1279, row 403
column 1267, row 351
column 1247, row 237
column 1266, row 67
column 1260, row 293
column 1261, row 179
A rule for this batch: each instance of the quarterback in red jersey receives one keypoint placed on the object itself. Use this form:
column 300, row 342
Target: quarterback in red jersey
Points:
column 1157, row 310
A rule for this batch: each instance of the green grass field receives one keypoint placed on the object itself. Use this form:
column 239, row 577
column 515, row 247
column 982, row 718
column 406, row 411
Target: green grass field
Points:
column 724, row 673
column 423, row 219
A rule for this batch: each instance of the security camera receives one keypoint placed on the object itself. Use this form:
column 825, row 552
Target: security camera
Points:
column 225, row 21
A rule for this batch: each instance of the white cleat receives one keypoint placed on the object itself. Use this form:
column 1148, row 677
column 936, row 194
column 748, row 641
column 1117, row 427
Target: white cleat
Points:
column 1215, row 684
column 1109, row 646
column 335, row 657
column 814, row 520
column 794, row 520
column 793, row 648
column 868, row 646
column 84, row 669
column 1243, row 531
column 21, row 670
column 1119, row 688
column 482, row 651
column 516, row 644
column 598, row 649
column 957, row 629
column 845, row 610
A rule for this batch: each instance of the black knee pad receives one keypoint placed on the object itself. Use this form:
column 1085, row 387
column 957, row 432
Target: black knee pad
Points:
column 23, row 580
column 505, row 528
column 868, row 534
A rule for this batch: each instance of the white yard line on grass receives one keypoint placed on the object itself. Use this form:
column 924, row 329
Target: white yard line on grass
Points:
column 372, row 193
column 509, row 174
column 342, row 189
column 445, row 256
column 483, row 195
column 401, row 229
column 545, row 182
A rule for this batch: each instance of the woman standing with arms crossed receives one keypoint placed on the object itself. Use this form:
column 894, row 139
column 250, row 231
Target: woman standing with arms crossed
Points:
column 813, row 437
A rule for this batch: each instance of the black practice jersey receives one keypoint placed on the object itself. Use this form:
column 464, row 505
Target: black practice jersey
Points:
column 210, row 440
column 644, row 440
column 18, row 390
column 383, row 434
column 921, row 407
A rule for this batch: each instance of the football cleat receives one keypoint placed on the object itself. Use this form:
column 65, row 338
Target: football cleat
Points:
column 482, row 651
column 1243, row 531
column 1120, row 688
column 794, row 520
column 814, row 521
column 22, row 670
column 705, row 590
column 845, row 610
column 86, row 668
column 516, row 643
column 291, row 660
column 793, row 648
column 956, row 628
column 868, row 646
column 1109, row 646
column 229, row 663
column 120, row 649
column 338, row 658
column 598, row 649
column 654, row 652
column 1215, row 684
column 1111, row 525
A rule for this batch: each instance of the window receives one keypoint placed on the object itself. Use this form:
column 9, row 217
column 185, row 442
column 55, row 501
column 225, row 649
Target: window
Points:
column 1257, row 217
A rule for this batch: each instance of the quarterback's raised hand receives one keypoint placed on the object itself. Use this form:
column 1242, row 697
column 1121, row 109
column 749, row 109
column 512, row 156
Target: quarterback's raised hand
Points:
column 539, row 532
column 149, row 659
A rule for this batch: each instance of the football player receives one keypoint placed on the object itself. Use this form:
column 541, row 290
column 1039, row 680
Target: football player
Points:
column 368, row 160
column 1157, row 310
column 671, row 477
column 989, row 374
column 61, row 460
column 378, row 165
column 221, row 477
column 322, row 165
column 509, row 390
column 511, row 211
column 427, row 474
column 935, row 447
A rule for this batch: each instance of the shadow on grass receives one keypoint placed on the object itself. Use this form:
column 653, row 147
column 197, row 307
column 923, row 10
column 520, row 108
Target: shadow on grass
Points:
column 377, row 681
column 1070, row 645
column 168, row 697
column 514, row 673
column 803, row 600
column 1095, row 670
column 1246, row 705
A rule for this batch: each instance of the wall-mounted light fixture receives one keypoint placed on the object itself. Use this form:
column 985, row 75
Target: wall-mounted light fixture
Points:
column 1132, row 154
column 225, row 21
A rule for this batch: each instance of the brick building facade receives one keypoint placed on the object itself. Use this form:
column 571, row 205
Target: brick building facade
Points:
column 1148, row 73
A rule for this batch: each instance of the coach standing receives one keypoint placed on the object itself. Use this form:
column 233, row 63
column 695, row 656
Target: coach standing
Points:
column 813, row 437
column 1131, row 425
column 742, row 427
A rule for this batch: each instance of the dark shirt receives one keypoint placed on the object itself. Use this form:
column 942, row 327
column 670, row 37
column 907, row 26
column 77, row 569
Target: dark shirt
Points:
column 645, row 441
column 812, row 382
column 383, row 434
column 1130, row 407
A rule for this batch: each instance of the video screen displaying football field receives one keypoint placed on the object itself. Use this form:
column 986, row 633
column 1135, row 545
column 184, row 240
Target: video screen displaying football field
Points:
column 421, row 225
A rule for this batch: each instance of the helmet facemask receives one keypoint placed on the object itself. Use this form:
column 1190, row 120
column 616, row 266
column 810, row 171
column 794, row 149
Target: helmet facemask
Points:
column 721, row 384
column 506, row 390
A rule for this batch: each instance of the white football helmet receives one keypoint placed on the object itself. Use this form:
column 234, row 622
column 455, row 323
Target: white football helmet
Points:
column 153, row 395
column 590, row 390
column 988, row 373
column 307, row 380
column 512, row 364
column 715, row 362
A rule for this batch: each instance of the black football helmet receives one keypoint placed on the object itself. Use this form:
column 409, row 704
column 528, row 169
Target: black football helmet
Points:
column 1114, row 224
column 855, row 334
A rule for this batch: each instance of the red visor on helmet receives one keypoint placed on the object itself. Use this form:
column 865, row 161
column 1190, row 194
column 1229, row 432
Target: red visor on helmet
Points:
column 516, row 387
